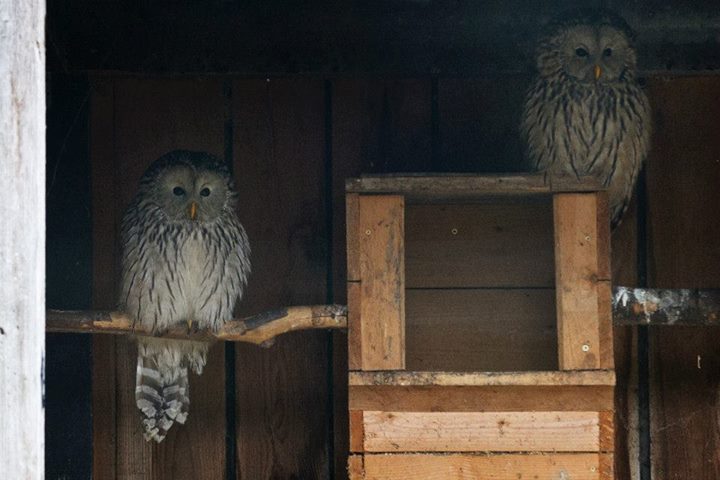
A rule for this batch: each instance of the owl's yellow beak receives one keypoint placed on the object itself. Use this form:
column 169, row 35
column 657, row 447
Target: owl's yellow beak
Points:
column 598, row 71
column 193, row 210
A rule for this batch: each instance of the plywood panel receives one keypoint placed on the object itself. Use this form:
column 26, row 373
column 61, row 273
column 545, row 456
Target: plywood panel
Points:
column 481, row 330
column 683, row 175
column 483, row 432
column 282, row 393
column 484, row 245
column 487, row 467
column 382, row 282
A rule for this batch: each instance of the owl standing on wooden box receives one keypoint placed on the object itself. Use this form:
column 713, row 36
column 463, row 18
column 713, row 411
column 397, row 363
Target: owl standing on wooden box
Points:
column 585, row 114
column 185, row 259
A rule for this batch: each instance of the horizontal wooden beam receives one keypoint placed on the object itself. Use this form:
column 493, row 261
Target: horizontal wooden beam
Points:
column 259, row 329
column 480, row 379
column 576, row 466
column 654, row 306
column 469, row 187
column 484, row 431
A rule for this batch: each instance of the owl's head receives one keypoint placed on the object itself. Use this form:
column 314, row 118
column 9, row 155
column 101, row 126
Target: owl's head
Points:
column 188, row 186
column 588, row 46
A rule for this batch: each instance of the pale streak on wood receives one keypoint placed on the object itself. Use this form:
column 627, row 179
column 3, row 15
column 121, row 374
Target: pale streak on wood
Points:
column 581, row 302
column 258, row 329
column 557, row 466
column 423, row 187
column 22, row 239
column 481, row 431
column 568, row 377
column 382, row 282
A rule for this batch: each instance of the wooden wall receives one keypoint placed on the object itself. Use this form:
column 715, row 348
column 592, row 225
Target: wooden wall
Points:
column 280, row 413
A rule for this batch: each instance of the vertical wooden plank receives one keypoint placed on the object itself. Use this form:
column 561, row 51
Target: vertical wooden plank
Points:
column 683, row 175
column 357, row 431
column 382, row 282
column 352, row 236
column 583, row 316
column 22, row 239
column 151, row 117
column 283, row 410
column 354, row 335
column 105, row 274
column 355, row 468
column 624, row 272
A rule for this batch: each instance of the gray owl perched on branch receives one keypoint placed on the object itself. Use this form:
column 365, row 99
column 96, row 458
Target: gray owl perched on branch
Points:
column 185, row 259
column 585, row 114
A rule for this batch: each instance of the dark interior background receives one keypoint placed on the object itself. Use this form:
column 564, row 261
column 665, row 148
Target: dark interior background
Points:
column 298, row 96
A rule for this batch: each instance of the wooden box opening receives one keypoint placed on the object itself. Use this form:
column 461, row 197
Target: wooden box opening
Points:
column 480, row 285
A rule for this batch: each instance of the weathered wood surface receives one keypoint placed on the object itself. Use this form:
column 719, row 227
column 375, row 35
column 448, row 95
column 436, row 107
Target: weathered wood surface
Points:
column 483, row 431
column 683, row 175
column 582, row 270
column 382, row 282
column 258, row 329
column 567, row 377
column 656, row 306
column 418, row 187
column 439, row 398
column 22, row 239
column 557, row 466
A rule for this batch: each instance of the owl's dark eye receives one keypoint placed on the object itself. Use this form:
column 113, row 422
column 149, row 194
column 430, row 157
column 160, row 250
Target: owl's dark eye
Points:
column 205, row 192
column 581, row 52
column 607, row 52
column 178, row 191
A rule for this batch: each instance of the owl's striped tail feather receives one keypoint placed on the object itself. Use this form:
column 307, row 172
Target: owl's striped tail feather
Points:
column 162, row 393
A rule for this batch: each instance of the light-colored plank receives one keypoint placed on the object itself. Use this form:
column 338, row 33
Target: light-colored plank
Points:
column 382, row 272
column 569, row 377
column 583, row 466
column 484, row 432
column 479, row 245
column 581, row 309
column 22, row 239
column 480, row 330
column 481, row 399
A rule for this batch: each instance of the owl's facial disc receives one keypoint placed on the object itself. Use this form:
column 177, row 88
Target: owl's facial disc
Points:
column 187, row 195
column 596, row 54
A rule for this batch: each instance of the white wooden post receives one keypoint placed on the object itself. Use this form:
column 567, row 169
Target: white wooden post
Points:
column 22, row 238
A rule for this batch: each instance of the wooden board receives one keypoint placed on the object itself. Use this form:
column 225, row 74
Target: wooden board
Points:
column 584, row 466
column 684, row 227
column 149, row 118
column 485, row 432
column 355, row 147
column 382, row 282
column 582, row 269
column 481, row 330
column 282, row 397
column 481, row 398
column 22, row 242
column 105, row 275
column 562, row 377
column 480, row 245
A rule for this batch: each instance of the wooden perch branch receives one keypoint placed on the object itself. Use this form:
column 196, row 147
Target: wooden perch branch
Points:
column 259, row 329
column 651, row 306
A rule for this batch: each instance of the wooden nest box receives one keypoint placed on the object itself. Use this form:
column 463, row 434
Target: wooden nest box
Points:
column 480, row 334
